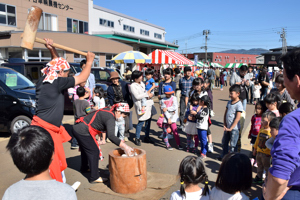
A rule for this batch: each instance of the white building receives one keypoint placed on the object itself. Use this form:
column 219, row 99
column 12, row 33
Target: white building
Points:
column 141, row 35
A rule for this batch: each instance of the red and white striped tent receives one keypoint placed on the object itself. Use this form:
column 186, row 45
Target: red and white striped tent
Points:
column 169, row 57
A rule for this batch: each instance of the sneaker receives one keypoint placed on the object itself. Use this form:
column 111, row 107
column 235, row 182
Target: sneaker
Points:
column 257, row 180
column 99, row 180
column 137, row 142
column 169, row 148
column 188, row 149
column 202, row 156
column 210, row 148
column 179, row 147
column 255, row 164
column 74, row 147
column 148, row 140
column 76, row 185
column 126, row 139
column 192, row 150
column 108, row 141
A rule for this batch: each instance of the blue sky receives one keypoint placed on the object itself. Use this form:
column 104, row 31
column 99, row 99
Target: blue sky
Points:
column 234, row 24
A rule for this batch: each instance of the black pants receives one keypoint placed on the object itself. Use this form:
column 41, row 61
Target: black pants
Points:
column 89, row 155
column 182, row 109
column 126, row 133
column 225, row 83
column 217, row 82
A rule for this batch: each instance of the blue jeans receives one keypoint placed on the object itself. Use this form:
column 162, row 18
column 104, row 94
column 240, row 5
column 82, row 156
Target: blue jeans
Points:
column 244, row 102
column 233, row 137
column 140, row 125
column 264, row 92
column 202, row 135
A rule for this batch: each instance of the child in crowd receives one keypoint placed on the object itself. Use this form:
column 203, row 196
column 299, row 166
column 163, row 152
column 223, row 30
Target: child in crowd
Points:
column 192, row 172
column 73, row 92
column 285, row 109
column 256, row 92
column 149, row 86
column 190, row 126
column 100, row 103
column 234, row 177
column 207, row 88
column 202, row 123
column 272, row 101
column 99, row 97
column 120, row 125
column 169, row 106
column 260, row 108
column 232, row 116
column 81, row 106
column 32, row 150
column 274, row 125
column 262, row 153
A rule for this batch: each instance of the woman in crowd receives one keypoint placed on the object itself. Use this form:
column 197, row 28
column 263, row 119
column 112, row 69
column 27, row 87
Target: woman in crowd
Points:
column 280, row 87
column 137, row 89
column 85, row 131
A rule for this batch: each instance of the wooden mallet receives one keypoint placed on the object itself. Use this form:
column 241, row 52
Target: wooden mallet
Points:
column 31, row 26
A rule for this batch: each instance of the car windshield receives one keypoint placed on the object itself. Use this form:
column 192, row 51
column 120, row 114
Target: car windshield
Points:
column 104, row 87
column 101, row 74
column 14, row 80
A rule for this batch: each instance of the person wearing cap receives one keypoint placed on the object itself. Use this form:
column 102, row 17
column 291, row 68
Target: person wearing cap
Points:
column 169, row 106
column 137, row 89
column 50, row 104
column 93, row 124
column 118, row 92
column 127, row 74
column 185, row 84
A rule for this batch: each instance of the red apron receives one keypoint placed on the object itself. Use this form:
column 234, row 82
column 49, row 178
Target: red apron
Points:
column 93, row 131
column 59, row 136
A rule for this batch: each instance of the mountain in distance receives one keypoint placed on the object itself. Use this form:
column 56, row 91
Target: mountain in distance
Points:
column 254, row 51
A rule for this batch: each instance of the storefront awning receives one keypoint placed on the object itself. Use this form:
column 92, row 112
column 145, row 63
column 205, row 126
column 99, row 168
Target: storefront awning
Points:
column 234, row 65
column 169, row 57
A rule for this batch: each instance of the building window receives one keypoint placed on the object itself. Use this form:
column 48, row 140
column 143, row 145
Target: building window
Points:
column 78, row 58
column 48, row 22
column 236, row 60
column 108, row 59
column 144, row 32
column 220, row 60
column 216, row 59
column 40, row 55
column 7, row 14
column 128, row 28
column 158, row 36
column 245, row 60
column 77, row 26
column 106, row 23
column 241, row 60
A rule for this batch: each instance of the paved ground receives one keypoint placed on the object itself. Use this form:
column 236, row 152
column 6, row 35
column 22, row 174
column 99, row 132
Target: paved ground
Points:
column 158, row 158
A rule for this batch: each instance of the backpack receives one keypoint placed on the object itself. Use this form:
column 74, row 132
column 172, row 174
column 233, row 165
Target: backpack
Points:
column 209, row 73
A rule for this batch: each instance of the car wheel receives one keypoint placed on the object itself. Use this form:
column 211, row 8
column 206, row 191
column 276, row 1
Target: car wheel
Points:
column 19, row 123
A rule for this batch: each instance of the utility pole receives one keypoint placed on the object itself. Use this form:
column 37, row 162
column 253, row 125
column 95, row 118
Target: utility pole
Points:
column 284, row 45
column 186, row 48
column 206, row 33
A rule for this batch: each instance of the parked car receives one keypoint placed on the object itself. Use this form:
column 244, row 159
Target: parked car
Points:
column 102, row 75
column 17, row 100
column 32, row 70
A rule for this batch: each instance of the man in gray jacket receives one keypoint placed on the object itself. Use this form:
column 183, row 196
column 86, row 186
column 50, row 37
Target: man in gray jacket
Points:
column 243, row 79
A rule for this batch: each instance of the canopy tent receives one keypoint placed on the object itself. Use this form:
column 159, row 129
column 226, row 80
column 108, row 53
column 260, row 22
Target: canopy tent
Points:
column 201, row 64
column 169, row 57
column 234, row 65
column 217, row 65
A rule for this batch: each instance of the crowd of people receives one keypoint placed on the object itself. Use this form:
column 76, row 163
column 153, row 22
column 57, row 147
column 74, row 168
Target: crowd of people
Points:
column 187, row 99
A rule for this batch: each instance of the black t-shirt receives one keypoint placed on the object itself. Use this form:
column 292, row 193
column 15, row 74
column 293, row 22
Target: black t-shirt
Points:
column 263, row 78
column 50, row 99
column 104, row 121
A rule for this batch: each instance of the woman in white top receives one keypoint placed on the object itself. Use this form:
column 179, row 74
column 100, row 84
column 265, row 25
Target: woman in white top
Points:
column 137, row 89
column 235, row 176
column 192, row 172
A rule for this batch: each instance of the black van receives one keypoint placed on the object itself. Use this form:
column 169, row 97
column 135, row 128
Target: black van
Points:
column 17, row 100
column 32, row 70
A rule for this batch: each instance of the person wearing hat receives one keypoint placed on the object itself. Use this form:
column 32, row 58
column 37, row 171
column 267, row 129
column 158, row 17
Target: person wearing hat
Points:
column 185, row 84
column 50, row 104
column 169, row 106
column 85, row 131
column 118, row 92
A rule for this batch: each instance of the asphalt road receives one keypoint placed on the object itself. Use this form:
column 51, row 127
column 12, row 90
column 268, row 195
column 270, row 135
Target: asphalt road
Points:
column 159, row 159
